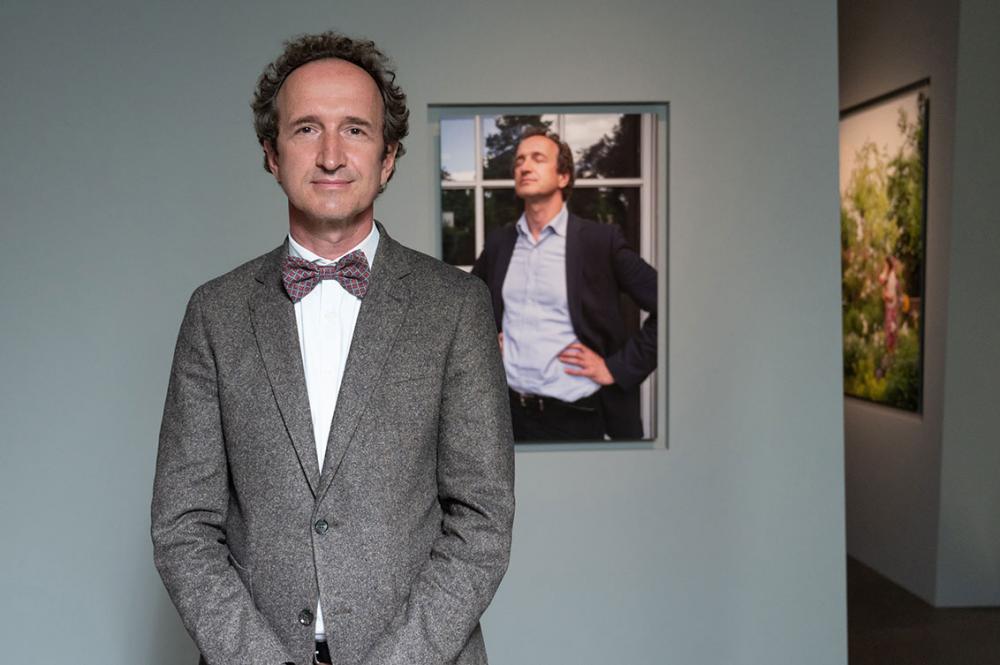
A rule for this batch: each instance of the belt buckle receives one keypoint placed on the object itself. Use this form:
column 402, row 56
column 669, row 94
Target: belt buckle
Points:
column 527, row 398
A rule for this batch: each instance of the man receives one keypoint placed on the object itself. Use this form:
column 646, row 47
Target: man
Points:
column 335, row 470
column 556, row 280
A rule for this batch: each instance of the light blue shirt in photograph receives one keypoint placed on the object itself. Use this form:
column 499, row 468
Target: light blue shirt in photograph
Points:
column 536, row 323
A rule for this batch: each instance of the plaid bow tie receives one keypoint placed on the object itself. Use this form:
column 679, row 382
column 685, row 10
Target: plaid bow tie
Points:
column 301, row 276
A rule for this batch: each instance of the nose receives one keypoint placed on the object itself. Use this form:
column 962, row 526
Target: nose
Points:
column 330, row 156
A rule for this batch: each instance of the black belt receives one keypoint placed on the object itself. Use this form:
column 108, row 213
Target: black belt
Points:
column 542, row 402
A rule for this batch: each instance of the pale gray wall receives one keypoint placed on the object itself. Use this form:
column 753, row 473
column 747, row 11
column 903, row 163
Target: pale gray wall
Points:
column 893, row 458
column 969, row 550
column 131, row 175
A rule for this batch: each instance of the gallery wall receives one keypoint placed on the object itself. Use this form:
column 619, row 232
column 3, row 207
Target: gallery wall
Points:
column 893, row 458
column 969, row 525
column 132, row 175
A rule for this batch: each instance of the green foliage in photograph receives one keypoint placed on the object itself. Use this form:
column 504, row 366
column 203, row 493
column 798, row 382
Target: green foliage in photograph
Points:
column 881, row 236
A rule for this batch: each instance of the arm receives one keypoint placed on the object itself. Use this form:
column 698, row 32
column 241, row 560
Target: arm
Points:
column 190, row 503
column 632, row 363
column 475, row 476
column 480, row 270
column 479, row 267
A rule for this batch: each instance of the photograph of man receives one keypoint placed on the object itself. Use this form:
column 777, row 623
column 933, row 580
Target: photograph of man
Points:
column 556, row 281
column 334, row 482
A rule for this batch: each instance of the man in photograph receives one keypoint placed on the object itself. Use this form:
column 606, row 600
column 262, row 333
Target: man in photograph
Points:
column 334, row 481
column 556, row 282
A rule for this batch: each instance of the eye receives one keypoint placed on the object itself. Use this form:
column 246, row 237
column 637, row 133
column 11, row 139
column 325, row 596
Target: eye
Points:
column 355, row 131
column 305, row 129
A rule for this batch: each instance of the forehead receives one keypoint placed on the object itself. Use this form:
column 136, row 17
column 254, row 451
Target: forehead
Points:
column 541, row 144
column 330, row 85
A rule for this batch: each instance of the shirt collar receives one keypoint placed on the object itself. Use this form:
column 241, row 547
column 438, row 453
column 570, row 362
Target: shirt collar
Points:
column 367, row 246
column 557, row 223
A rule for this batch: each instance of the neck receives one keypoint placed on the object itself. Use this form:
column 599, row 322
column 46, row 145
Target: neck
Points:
column 331, row 240
column 539, row 212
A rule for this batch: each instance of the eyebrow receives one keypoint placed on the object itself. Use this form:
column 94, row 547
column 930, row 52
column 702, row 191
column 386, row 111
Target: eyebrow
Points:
column 355, row 120
column 349, row 120
column 306, row 119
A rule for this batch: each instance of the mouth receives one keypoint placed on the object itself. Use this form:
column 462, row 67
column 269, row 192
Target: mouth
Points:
column 331, row 183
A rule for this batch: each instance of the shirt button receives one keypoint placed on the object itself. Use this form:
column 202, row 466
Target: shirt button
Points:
column 321, row 526
column 305, row 617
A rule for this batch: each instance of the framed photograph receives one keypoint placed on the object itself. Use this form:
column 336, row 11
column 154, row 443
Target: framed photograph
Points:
column 604, row 301
column 883, row 186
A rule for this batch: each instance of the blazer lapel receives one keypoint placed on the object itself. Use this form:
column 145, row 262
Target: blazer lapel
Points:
column 574, row 271
column 382, row 312
column 273, row 317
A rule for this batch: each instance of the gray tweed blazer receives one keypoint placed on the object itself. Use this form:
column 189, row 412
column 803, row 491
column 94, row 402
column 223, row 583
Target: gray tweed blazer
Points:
column 405, row 531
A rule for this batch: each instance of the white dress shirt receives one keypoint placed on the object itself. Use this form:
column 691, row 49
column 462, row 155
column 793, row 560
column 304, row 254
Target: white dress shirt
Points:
column 325, row 319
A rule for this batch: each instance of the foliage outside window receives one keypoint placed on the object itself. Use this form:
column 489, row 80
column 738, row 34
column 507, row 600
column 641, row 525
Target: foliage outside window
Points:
column 612, row 153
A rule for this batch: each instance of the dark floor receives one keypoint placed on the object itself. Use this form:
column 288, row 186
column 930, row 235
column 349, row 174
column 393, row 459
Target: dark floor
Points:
column 887, row 625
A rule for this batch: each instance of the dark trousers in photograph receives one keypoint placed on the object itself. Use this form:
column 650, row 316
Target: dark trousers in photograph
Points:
column 537, row 418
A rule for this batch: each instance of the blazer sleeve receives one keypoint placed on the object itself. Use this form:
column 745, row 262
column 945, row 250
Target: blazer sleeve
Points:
column 475, row 477
column 479, row 268
column 485, row 269
column 190, row 502
column 636, row 359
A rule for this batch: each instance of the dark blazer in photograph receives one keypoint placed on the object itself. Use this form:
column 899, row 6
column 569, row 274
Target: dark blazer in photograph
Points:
column 600, row 266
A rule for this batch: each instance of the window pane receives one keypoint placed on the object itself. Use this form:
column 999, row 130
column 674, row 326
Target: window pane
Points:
column 609, row 205
column 604, row 145
column 500, row 207
column 500, row 136
column 458, row 143
column 458, row 226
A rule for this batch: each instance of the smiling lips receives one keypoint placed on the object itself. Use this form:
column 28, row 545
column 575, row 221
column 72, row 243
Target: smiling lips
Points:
column 331, row 183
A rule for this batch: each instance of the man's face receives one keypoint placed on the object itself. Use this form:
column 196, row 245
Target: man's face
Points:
column 535, row 174
column 329, row 157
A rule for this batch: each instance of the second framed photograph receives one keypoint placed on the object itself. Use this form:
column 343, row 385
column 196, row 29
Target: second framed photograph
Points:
column 883, row 184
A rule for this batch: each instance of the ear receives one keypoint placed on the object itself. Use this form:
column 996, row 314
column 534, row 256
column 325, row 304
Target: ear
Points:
column 271, row 155
column 563, row 180
column 388, row 163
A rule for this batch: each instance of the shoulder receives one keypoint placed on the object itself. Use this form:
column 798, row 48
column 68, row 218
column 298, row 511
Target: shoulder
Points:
column 497, row 237
column 595, row 236
column 591, row 229
column 238, row 282
column 439, row 289
column 434, row 275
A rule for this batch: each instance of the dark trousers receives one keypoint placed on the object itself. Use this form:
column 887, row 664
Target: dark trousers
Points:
column 323, row 653
column 537, row 418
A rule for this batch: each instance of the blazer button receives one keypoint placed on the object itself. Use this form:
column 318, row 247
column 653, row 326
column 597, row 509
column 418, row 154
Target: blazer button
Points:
column 321, row 526
column 305, row 617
